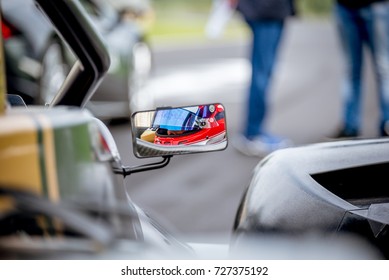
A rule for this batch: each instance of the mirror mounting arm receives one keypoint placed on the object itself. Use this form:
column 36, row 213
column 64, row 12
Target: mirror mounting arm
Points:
column 126, row 170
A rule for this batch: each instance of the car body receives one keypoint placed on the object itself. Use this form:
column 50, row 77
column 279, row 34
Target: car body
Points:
column 37, row 62
column 335, row 187
column 57, row 168
column 63, row 159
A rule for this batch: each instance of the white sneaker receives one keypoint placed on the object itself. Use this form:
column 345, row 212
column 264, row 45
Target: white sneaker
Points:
column 261, row 146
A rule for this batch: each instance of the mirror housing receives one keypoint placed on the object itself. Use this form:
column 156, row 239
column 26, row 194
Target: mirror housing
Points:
column 180, row 130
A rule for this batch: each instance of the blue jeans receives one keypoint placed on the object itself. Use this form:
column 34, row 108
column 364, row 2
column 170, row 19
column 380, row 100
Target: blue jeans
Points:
column 381, row 41
column 266, row 39
column 358, row 28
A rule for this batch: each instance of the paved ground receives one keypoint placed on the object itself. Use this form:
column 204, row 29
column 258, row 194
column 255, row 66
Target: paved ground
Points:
column 199, row 194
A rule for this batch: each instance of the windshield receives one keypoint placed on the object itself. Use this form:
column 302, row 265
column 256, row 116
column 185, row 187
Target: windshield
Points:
column 177, row 119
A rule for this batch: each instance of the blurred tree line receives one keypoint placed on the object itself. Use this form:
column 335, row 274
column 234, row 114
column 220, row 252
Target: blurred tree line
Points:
column 314, row 7
column 187, row 18
column 304, row 7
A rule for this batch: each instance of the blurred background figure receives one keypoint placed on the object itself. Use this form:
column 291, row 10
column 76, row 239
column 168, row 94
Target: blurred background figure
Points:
column 266, row 20
column 363, row 23
column 140, row 11
column 221, row 14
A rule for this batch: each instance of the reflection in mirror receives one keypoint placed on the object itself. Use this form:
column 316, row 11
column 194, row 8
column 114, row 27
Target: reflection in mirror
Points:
column 174, row 131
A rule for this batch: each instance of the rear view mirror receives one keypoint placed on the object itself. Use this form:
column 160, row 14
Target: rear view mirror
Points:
column 176, row 131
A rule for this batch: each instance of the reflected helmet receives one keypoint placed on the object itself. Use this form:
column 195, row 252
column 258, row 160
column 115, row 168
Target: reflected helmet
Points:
column 189, row 125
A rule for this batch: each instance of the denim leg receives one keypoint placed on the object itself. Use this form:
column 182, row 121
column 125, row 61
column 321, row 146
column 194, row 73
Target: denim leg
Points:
column 353, row 33
column 266, row 39
column 380, row 53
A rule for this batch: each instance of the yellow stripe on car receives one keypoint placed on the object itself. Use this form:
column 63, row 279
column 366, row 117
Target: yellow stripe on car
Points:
column 6, row 204
column 19, row 153
column 28, row 160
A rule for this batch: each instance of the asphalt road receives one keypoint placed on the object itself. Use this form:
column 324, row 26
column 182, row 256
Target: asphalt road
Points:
column 199, row 193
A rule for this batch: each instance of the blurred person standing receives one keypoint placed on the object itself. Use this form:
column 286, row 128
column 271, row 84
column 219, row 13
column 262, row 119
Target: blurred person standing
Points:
column 363, row 23
column 266, row 20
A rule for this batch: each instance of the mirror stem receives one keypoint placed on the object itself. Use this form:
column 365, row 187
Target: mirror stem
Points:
column 126, row 170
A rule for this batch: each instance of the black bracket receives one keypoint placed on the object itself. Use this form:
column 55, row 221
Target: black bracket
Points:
column 126, row 170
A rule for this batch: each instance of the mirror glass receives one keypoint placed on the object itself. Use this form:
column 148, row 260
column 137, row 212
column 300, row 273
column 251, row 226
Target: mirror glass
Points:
column 182, row 130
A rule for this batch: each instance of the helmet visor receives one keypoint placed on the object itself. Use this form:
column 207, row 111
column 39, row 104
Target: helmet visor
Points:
column 176, row 119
